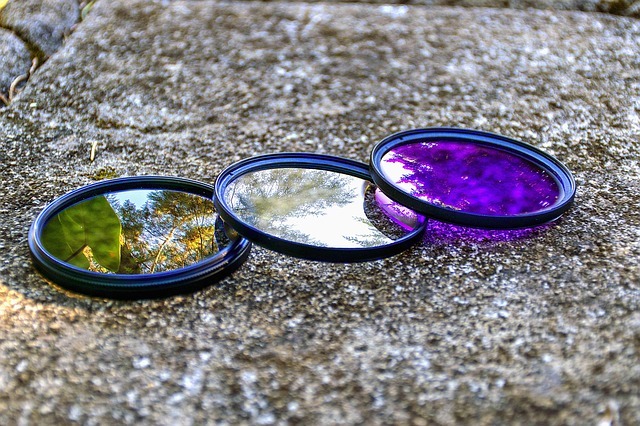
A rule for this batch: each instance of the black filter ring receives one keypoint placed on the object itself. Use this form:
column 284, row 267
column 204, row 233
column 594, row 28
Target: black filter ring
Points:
column 296, row 249
column 143, row 286
column 551, row 165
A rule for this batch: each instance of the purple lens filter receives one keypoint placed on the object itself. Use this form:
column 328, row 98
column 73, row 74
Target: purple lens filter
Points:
column 472, row 178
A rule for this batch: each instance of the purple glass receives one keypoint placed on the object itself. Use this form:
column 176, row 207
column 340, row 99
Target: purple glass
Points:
column 470, row 177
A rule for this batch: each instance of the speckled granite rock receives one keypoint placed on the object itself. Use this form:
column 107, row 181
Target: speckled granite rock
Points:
column 616, row 7
column 530, row 327
column 42, row 23
column 15, row 60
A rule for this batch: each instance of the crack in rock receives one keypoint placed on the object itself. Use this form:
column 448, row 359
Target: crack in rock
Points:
column 15, row 60
column 31, row 29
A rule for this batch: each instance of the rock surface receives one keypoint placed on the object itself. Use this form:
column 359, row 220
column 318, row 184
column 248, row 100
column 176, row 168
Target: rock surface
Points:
column 531, row 327
column 616, row 7
column 15, row 60
column 42, row 23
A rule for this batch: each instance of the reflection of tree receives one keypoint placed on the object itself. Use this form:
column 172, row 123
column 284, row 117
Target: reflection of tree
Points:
column 135, row 232
column 133, row 222
column 268, row 199
column 170, row 230
column 472, row 178
column 417, row 164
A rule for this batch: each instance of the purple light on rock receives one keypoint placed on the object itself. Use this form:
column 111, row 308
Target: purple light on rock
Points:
column 440, row 232
column 470, row 177
column 446, row 232
column 402, row 216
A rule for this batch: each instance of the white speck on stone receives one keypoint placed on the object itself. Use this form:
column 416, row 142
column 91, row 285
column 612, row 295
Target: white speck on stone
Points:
column 394, row 11
column 248, row 377
column 164, row 375
column 75, row 412
column 294, row 322
column 132, row 396
column 176, row 398
column 193, row 382
column 142, row 362
column 266, row 419
column 207, row 317
column 500, row 303
column 22, row 366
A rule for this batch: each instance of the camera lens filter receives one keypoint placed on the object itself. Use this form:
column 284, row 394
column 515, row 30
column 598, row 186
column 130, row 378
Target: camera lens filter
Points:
column 154, row 236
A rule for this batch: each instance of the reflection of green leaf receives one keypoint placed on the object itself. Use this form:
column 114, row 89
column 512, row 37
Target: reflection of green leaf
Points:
column 88, row 227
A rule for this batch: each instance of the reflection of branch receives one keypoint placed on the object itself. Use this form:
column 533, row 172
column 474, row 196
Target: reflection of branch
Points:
column 168, row 232
column 233, row 194
column 155, row 261
column 201, row 225
column 75, row 253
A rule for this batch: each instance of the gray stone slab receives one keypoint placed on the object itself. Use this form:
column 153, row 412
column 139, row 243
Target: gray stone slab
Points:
column 42, row 23
column 536, row 326
column 15, row 60
column 616, row 7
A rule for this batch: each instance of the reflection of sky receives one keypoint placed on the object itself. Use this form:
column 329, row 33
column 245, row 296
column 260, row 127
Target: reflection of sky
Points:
column 316, row 207
column 337, row 225
column 395, row 172
column 137, row 197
